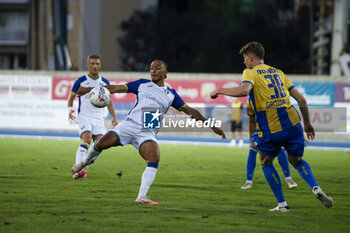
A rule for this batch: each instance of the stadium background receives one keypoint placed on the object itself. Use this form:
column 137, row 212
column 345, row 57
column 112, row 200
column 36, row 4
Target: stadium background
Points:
column 44, row 45
column 43, row 49
column 35, row 103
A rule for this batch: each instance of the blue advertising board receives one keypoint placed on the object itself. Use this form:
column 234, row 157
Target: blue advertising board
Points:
column 317, row 93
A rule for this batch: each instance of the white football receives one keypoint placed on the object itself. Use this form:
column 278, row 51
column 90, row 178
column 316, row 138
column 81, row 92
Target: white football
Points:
column 100, row 97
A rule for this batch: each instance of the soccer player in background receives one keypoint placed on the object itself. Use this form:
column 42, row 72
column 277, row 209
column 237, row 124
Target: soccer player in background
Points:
column 90, row 119
column 236, row 123
column 270, row 89
column 150, row 94
column 254, row 131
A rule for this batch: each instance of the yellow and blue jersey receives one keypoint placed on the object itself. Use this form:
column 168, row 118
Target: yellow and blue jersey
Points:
column 236, row 113
column 270, row 98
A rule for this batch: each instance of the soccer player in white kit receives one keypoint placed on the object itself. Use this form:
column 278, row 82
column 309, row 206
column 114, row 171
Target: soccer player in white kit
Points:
column 149, row 94
column 90, row 119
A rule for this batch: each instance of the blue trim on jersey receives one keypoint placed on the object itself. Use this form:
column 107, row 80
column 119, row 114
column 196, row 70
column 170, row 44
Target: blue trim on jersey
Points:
column 248, row 82
column 178, row 101
column 137, row 101
column 252, row 99
column 155, row 165
column 79, row 104
column 290, row 88
column 77, row 83
column 133, row 87
column 284, row 118
column 105, row 80
column 253, row 107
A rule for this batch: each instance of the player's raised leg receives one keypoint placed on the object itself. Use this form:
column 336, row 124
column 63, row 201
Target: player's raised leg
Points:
column 283, row 161
column 108, row 140
column 305, row 172
column 149, row 150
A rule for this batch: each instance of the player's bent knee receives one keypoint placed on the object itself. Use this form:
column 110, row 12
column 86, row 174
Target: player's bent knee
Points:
column 153, row 160
column 265, row 160
column 107, row 141
column 151, row 156
column 86, row 139
column 293, row 160
column 150, row 151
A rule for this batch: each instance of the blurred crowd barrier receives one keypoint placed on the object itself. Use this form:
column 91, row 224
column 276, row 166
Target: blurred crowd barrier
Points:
column 37, row 101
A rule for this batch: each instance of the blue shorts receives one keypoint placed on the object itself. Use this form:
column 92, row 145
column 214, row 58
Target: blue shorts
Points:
column 292, row 139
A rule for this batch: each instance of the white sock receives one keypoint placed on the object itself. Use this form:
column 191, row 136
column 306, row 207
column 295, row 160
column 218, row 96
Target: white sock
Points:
column 81, row 152
column 147, row 179
column 315, row 188
column 288, row 177
column 92, row 154
column 282, row 204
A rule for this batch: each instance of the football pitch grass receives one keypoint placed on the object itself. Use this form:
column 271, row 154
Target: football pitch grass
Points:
column 197, row 187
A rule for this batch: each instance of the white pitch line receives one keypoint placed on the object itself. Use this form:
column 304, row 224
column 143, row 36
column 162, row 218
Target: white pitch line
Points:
column 165, row 142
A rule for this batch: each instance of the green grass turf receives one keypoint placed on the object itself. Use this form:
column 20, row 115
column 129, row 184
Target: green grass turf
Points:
column 198, row 188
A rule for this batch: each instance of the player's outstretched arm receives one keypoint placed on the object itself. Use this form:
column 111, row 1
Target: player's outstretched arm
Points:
column 83, row 90
column 112, row 89
column 240, row 91
column 308, row 128
column 193, row 113
column 116, row 88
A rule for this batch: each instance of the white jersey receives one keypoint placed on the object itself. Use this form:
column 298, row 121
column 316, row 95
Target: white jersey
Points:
column 150, row 96
column 85, row 108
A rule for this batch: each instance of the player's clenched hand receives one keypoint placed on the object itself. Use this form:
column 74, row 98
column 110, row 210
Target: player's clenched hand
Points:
column 71, row 115
column 310, row 131
column 214, row 94
column 219, row 131
column 114, row 122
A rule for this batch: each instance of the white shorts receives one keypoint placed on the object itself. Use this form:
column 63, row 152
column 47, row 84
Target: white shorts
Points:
column 132, row 133
column 93, row 125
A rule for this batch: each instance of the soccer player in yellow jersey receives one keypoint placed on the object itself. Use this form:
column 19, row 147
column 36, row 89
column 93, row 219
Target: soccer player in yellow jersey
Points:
column 254, row 131
column 269, row 89
column 236, row 123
